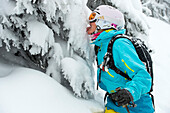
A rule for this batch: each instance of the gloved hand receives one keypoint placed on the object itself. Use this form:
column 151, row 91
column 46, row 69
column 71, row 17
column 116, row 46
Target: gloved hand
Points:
column 122, row 97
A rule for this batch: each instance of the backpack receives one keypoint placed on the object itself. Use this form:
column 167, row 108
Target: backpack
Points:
column 143, row 54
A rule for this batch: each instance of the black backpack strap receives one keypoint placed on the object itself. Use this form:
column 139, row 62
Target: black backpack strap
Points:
column 99, row 79
column 105, row 96
column 96, row 50
column 152, row 99
column 109, row 51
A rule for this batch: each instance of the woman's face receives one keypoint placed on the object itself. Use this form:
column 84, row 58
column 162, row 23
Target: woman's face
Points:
column 92, row 28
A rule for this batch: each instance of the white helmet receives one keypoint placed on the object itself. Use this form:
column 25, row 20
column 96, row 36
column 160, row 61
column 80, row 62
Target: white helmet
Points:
column 107, row 17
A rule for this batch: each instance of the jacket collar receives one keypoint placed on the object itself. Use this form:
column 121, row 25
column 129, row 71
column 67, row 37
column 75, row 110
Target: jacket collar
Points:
column 106, row 36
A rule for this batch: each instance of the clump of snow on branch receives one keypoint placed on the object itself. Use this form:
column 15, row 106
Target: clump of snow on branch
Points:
column 78, row 29
column 78, row 71
column 41, row 36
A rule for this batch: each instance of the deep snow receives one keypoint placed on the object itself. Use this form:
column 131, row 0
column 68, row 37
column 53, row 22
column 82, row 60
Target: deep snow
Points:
column 25, row 90
column 159, row 40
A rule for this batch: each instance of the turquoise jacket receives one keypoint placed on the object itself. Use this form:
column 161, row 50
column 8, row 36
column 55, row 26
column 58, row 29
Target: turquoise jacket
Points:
column 127, row 60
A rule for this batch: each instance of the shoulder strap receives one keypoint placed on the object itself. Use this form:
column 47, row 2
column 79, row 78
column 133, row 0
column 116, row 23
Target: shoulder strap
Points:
column 96, row 49
column 109, row 51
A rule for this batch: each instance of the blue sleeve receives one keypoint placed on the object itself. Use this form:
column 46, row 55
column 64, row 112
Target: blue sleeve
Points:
column 127, row 60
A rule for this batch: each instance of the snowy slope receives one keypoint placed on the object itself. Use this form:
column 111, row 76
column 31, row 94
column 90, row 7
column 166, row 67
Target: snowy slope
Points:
column 159, row 40
column 25, row 90
column 28, row 91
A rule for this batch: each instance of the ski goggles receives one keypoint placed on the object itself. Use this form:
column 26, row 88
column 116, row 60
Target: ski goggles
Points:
column 92, row 17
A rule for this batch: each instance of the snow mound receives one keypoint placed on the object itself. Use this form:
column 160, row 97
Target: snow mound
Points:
column 30, row 91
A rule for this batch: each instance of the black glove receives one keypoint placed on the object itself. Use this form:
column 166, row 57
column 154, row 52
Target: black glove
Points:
column 122, row 97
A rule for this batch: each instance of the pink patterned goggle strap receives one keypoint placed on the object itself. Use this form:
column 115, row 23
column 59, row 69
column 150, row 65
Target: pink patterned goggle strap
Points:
column 114, row 25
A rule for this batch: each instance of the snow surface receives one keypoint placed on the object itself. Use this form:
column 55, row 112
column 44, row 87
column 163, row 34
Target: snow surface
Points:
column 25, row 90
column 159, row 40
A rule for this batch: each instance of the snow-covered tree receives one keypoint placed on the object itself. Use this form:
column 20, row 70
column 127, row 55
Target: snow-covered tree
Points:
column 50, row 36
column 158, row 8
